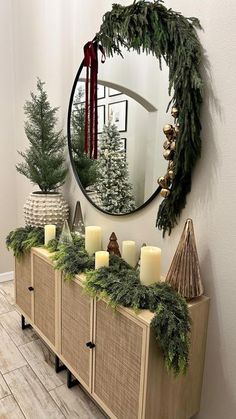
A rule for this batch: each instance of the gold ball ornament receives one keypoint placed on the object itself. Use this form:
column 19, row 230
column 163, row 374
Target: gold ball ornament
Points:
column 174, row 112
column 167, row 129
column 168, row 154
column 165, row 193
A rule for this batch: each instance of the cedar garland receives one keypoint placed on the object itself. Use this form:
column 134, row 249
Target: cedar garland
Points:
column 152, row 28
column 21, row 240
column 119, row 284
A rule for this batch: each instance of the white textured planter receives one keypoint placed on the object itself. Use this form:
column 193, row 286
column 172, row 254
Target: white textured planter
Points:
column 42, row 209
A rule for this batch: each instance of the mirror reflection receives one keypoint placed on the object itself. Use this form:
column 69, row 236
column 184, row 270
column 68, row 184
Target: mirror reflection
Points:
column 122, row 178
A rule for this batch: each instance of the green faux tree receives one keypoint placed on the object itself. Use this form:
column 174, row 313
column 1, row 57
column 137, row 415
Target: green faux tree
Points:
column 113, row 187
column 44, row 161
column 85, row 167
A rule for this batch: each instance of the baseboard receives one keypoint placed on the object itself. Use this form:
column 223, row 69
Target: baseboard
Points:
column 7, row 276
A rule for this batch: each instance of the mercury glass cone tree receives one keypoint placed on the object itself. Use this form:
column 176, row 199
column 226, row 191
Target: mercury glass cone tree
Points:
column 65, row 236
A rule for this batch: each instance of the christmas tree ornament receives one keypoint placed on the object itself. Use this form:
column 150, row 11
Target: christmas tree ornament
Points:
column 113, row 246
column 184, row 273
column 78, row 221
column 65, row 236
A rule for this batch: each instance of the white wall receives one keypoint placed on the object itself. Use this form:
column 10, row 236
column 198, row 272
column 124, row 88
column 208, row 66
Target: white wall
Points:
column 7, row 146
column 48, row 41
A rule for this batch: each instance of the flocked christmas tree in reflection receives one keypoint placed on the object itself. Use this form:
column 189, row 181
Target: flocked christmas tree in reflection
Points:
column 113, row 186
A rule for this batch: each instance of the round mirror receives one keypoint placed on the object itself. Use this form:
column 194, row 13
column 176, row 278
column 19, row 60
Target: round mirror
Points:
column 123, row 177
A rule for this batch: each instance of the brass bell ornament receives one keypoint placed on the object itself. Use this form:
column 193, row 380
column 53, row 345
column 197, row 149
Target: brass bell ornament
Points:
column 166, row 144
column 173, row 145
column 176, row 128
column 171, row 174
column 167, row 129
column 165, row 192
column 174, row 112
column 171, row 165
column 171, row 133
column 164, row 181
column 161, row 181
column 168, row 154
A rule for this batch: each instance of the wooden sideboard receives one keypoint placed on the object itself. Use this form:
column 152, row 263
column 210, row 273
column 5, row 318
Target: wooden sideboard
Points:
column 113, row 355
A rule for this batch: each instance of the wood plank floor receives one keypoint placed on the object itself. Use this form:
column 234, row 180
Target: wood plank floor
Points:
column 29, row 386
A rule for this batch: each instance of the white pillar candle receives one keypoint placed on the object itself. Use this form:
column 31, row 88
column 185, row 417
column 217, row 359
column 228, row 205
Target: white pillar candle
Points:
column 150, row 265
column 129, row 252
column 49, row 233
column 93, row 239
column 101, row 259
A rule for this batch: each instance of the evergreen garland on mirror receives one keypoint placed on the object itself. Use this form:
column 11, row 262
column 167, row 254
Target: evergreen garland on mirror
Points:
column 150, row 27
column 113, row 187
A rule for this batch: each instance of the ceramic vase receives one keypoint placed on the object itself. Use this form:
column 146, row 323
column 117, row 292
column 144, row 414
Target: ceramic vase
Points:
column 41, row 209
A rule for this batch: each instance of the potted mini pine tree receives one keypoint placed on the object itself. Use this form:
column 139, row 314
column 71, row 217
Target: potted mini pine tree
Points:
column 44, row 162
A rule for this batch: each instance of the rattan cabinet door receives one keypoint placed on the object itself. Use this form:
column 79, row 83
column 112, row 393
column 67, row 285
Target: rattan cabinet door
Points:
column 76, row 330
column 118, row 363
column 44, row 297
column 22, row 283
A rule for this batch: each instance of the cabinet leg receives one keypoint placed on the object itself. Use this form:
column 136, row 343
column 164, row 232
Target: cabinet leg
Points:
column 59, row 367
column 23, row 324
column 71, row 382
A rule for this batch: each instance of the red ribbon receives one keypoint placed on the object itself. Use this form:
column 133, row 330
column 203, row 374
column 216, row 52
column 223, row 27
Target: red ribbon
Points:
column 91, row 118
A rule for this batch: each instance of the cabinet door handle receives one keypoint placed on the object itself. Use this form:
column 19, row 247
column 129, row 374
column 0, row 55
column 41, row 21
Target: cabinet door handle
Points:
column 90, row 345
column 30, row 288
